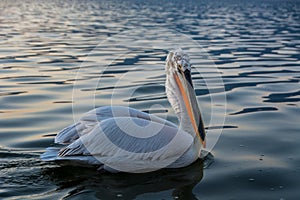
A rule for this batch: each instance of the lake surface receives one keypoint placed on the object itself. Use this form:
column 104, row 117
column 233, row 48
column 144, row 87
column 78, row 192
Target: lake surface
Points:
column 60, row 59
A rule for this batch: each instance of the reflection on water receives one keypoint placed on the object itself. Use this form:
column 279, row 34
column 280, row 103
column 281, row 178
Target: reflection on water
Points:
column 177, row 183
column 255, row 46
column 80, row 182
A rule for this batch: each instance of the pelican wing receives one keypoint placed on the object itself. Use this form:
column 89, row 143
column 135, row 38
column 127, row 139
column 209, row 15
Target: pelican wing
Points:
column 90, row 119
column 132, row 144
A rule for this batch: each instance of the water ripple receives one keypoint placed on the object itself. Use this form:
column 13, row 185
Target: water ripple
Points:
column 251, row 110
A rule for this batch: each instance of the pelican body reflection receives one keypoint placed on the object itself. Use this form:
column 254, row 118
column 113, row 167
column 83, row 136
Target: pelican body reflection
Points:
column 83, row 182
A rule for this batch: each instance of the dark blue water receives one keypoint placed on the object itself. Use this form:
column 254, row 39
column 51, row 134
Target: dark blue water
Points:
column 59, row 59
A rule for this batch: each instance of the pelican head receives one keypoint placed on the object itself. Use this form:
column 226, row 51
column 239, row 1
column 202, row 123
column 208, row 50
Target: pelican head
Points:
column 179, row 82
column 178, row 60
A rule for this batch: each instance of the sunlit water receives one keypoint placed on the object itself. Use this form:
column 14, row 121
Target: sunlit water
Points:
column 255, row 47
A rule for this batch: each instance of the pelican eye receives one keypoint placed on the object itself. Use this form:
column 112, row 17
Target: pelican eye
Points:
column 179, row 67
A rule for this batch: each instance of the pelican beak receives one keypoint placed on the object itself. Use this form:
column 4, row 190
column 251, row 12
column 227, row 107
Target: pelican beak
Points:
column 185, row 85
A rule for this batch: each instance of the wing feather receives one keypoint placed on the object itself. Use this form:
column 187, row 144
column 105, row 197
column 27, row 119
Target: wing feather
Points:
column 89, row 120
column 131, row 143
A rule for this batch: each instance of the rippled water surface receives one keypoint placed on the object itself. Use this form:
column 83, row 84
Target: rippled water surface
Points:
column 58, row 59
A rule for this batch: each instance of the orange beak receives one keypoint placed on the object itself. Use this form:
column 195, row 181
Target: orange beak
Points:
column 184, row 82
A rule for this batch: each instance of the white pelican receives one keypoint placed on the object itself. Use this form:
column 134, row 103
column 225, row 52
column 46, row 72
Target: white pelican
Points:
column 122, row 139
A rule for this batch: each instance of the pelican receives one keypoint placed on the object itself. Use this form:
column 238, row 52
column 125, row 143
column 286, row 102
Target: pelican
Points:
column 123, row 139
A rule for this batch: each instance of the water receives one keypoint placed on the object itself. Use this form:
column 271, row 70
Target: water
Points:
column 254, row 45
